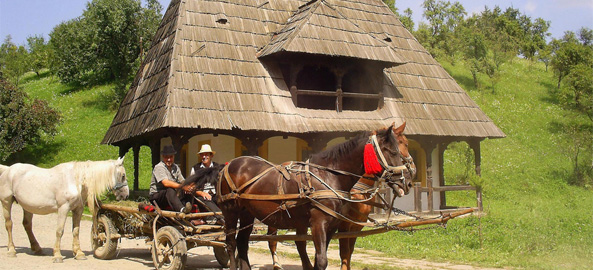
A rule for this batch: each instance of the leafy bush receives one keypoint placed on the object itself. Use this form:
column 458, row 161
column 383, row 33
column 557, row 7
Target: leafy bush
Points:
column 22, row 122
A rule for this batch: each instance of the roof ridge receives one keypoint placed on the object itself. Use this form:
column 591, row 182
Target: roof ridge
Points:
column 298, row 26
column 356, row 25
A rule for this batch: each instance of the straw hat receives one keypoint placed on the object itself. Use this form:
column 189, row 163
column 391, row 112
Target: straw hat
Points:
column 206, row 149
column 168, row 150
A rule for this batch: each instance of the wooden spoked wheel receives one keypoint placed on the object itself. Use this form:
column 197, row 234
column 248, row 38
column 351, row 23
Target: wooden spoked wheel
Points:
column 170, row 249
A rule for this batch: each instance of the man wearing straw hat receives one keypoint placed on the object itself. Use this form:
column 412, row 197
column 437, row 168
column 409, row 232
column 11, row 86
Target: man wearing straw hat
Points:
column 208, row 194
column 166, row 179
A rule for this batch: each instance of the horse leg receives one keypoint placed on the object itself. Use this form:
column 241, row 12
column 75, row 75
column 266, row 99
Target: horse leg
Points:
column 62, row 214
column 320, row 230
column 347, row 247
column 230, row 230
column 6, row 208
column 28, row 224
column 272, row 245
column 360, row 212
column 302, row 249
column 243, row 239
column 76, row 216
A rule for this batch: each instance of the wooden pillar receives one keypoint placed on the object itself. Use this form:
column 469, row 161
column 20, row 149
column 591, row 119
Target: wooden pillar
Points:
column 428, row 149
column 317, row 143
column 417, row 197
column 136, row 150
column 475, row 145
column 381, row 101
column 339, row 93
column 442, row 147
column 430, row 195
column 155, row 151
column 294, row 72
column 252, row 143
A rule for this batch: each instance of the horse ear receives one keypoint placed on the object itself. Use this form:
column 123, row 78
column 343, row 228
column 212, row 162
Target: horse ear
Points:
column 399, row 130
column 120, row 161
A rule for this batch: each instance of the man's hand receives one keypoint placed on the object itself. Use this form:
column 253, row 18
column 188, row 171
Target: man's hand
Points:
column 188, row 189
column 204, row 195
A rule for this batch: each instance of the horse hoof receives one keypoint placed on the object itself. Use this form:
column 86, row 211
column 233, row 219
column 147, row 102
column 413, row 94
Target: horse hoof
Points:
column 58, row 260
column 80, row 257
column 11, row 254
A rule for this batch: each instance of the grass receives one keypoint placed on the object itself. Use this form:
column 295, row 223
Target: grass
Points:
column 533, row 218
column 86, row 117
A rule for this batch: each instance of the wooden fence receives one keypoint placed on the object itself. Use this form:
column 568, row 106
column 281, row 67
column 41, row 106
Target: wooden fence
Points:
column 430, row 190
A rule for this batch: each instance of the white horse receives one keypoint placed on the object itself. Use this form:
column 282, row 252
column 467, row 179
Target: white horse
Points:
column 63, row 188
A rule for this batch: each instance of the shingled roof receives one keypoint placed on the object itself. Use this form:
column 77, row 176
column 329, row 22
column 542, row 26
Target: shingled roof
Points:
column 203, row 71
column 320, row 28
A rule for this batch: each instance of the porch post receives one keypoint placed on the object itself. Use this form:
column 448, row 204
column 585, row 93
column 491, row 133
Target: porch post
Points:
column 136, row 150
column 475, row 145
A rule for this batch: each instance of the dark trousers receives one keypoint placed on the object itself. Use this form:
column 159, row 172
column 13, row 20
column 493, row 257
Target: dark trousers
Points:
column 208, row 205
column 168, row 197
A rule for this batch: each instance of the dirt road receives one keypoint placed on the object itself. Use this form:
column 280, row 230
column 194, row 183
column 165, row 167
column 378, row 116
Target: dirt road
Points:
column 134, row 254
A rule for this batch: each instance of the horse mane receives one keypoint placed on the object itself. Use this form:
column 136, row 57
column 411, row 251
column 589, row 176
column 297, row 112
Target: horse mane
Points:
column 96, row 176
column 338, row 151
column 203, row 176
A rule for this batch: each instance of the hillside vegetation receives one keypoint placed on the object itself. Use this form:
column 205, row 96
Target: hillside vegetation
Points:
column 533, row 218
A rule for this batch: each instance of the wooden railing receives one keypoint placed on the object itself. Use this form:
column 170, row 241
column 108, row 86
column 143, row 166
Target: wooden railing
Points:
column 430, row 190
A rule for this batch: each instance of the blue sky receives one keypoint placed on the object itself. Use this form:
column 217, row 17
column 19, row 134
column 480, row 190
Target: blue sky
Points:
column 23, row 18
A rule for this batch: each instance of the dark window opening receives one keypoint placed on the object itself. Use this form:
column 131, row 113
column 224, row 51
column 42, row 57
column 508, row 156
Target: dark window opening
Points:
column 316, row 78
column 316, row 86
column 359, row 81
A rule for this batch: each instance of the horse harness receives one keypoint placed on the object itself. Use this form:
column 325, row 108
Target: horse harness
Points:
column 307, row 193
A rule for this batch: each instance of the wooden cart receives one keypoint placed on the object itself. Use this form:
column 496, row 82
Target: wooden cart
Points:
column 172, row 234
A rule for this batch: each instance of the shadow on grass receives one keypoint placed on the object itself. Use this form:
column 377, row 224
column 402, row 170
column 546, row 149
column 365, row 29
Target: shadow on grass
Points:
column 35, row 77
column 43, row 152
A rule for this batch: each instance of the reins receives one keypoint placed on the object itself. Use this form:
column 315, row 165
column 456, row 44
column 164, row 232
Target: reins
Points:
column 308, row 192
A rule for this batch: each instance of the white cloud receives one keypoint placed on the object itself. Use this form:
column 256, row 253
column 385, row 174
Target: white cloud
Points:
column 530, row 6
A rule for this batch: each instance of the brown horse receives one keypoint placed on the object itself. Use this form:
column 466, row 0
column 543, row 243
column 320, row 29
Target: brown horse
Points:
column 358, row 212
column 305, row 195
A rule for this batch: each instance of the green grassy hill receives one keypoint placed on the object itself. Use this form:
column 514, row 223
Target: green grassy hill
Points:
column 534, row 219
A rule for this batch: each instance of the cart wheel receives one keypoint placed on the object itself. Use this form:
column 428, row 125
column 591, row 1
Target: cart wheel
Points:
column 170, row 250
column 102, row 241
column 222, row 257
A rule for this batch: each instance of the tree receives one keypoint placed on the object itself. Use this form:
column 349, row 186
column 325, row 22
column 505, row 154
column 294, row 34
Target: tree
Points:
column 568, row 54
column 104, row 43
column 586, row 36
column 14, row 61
column 443, row 18
column 545, row 55
column 75, row 57
column 406, row 19
column 580, row 88
column 38, row 53
column 22, row 122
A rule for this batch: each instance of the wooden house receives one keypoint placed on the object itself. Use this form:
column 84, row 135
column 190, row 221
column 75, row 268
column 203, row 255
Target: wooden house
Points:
column 286, row 78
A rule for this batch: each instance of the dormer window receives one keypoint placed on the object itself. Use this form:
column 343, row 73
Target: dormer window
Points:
column 326, row 86
column 337, row 67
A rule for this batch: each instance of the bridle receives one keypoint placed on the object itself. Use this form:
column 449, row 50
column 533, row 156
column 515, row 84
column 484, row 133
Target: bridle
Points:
column 389, row 173
column 119, row 185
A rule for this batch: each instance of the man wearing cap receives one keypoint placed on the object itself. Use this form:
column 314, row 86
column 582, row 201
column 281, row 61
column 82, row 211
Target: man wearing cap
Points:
column 208, row 194
column 166, row 179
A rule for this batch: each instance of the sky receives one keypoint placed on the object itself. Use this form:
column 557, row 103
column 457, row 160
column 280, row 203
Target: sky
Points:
column 23, row 18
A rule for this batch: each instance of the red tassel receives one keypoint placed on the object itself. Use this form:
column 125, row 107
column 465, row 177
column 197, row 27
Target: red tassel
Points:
column 371, row 162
